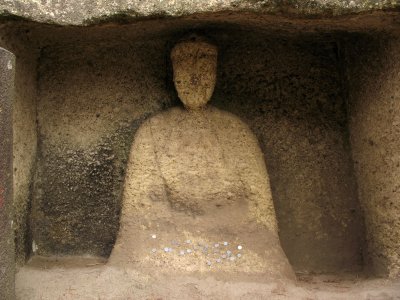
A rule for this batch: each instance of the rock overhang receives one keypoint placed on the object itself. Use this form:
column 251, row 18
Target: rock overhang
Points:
column 92, row 12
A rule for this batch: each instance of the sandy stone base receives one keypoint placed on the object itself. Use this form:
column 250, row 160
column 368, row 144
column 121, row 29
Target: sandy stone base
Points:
column 89, row 278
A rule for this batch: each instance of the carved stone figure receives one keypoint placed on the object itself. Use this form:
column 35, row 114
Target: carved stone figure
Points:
column 197, row 196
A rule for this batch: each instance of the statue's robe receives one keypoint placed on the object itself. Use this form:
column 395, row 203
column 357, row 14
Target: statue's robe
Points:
column 198, row 176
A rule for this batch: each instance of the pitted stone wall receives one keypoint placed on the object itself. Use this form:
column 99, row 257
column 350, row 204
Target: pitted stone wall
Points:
column 289, row 91
column 95, row 92
column 374, row 105
column 281, row 70
column 7, row 266
column 18, row 41
column 91, row 100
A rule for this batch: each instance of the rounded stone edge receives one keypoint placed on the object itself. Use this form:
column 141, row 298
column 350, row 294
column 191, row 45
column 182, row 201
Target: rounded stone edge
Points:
column 92, row 12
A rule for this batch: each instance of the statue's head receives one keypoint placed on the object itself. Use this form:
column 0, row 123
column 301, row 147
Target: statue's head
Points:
column 194, row 63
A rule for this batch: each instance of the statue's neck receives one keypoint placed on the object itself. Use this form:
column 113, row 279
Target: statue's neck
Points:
column 198, row 111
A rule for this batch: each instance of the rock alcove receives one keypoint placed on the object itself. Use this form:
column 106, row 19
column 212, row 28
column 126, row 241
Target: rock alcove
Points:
column 321, row 96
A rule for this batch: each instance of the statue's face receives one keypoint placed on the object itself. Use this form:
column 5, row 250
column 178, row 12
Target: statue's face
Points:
column 195, row 68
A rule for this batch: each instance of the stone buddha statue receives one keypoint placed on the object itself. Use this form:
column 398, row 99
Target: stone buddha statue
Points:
column 197, row 196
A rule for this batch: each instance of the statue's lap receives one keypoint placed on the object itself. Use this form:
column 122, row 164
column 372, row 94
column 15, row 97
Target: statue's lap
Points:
column 196, row 218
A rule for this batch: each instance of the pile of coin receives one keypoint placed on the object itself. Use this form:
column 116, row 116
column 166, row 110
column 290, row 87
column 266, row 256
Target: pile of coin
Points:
column 215, row 253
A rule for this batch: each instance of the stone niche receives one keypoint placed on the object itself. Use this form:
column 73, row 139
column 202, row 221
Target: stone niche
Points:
column 321, row 95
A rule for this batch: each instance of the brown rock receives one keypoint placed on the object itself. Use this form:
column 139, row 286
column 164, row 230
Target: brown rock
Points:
column 198, row 175
column 7, row 65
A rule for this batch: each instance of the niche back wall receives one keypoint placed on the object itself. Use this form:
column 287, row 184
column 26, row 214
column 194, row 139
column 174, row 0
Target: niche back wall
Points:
column 95, row 88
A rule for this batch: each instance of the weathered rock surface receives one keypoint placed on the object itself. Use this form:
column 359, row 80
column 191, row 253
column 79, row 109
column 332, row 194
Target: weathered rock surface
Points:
column 77, row 12
column 197, row 173
column 7, row 265
column 92, row 99
column 282, row 72
column 24, row 134
column 195, row 71
column 199, row 176
column 374, row 76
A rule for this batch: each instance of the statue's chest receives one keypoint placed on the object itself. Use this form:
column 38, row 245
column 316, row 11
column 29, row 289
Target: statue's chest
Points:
column 195, row 152
column 196, row 164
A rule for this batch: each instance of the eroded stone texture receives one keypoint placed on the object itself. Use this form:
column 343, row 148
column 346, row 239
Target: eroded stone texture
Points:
column 86, row 124
column 196, row 62
column 7, row 266
column 287, row 89
column 78, row 12
column 374, row 75
column 18, row 41
column 198, row 173
column 309, row 162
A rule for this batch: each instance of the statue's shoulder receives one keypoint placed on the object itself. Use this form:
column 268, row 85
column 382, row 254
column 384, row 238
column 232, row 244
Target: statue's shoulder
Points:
column 228, row 119
column 165, row 115
column 222, row 118
column 235, row 128
column 162, row 117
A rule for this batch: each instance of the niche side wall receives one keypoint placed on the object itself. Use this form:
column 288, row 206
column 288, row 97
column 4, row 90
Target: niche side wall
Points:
column 373, row 75
column 18, row 40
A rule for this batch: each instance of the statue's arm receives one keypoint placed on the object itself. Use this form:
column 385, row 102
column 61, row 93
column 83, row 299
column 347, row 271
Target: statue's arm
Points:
column 254, row 175
column 143, row 183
